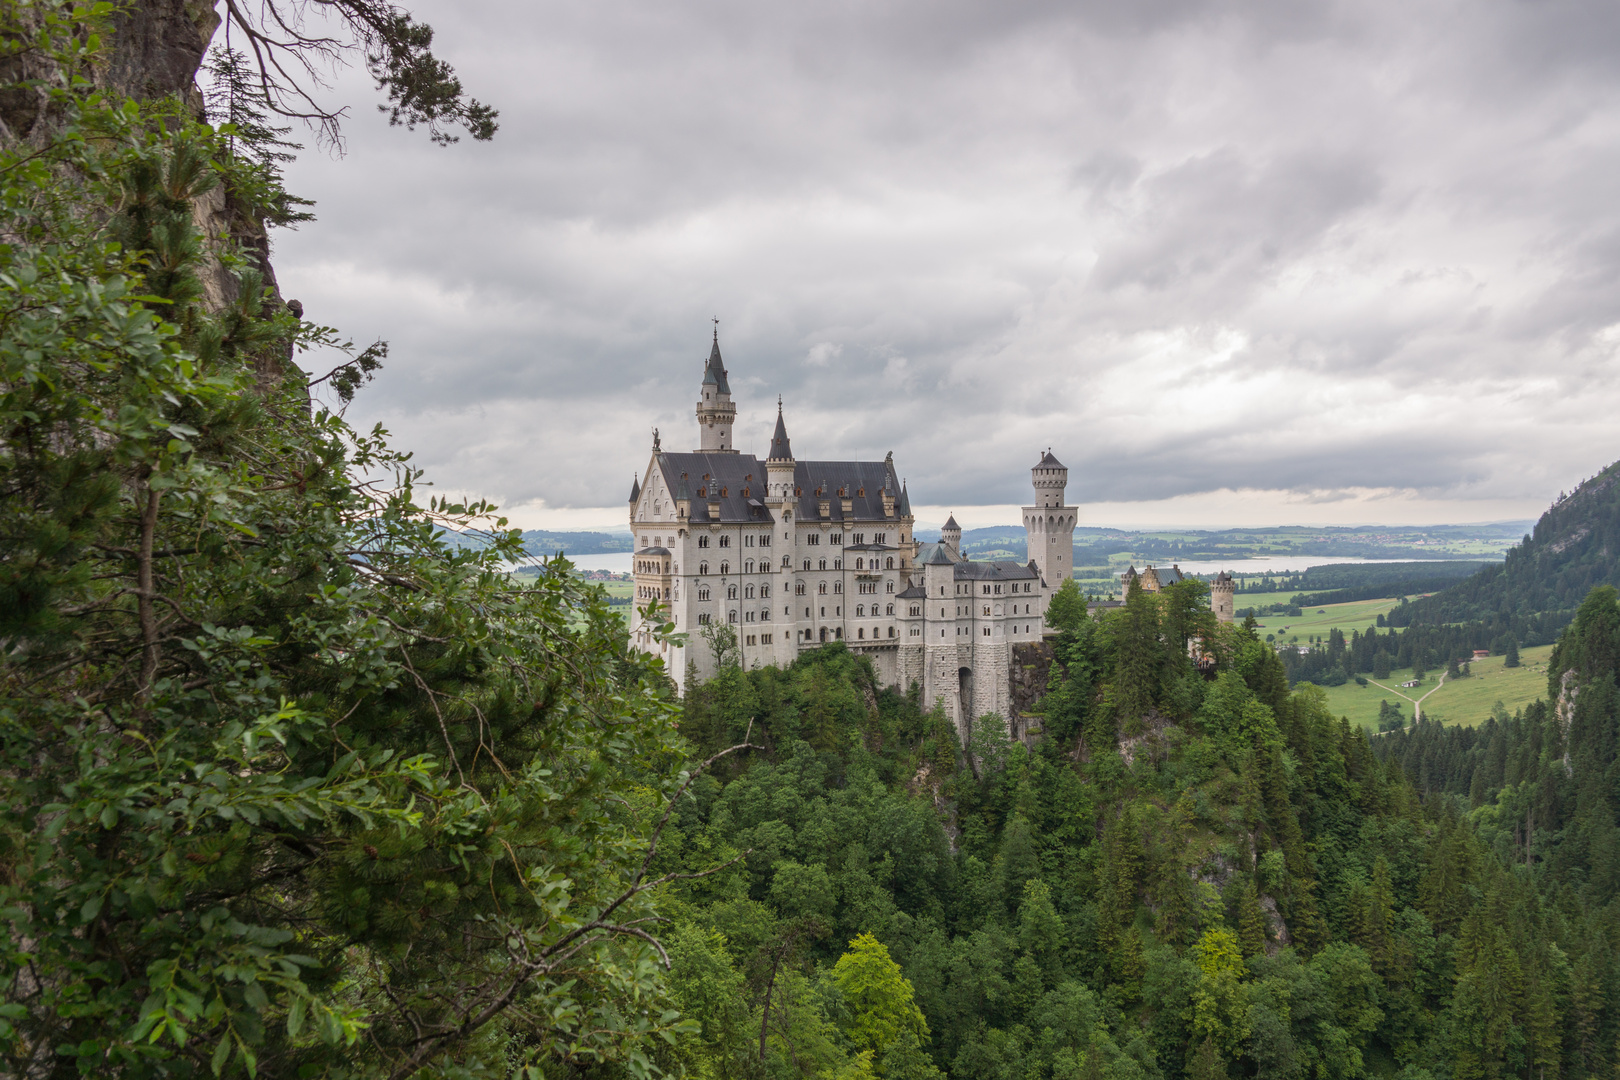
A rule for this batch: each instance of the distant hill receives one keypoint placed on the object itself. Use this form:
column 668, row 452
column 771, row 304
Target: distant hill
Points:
column 546, row 542
column 1535, row 591
column 1097, row 550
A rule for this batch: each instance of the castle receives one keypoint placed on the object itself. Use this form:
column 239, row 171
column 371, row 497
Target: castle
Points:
column 1154, row 578
column 790, row 554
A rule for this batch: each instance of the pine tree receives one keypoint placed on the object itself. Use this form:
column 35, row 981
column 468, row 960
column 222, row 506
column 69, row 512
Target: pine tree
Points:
column 1510, row 658
column 235, row 103
column 1251, row 921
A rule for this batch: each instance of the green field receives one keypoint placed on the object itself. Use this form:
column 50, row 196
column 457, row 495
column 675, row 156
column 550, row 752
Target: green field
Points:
column 1460, row 701
column 1316, row 621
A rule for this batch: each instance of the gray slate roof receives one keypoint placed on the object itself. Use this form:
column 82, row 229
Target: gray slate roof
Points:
column 635, row 489
column 653, row 551
column 715, row 372
column 969, row 570
column 1050, row 462
column 781, row 449
column 735, row 474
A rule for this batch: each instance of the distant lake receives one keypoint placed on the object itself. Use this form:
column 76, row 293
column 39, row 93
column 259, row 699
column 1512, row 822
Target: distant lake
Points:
column 1293, row 564
column 619, row 563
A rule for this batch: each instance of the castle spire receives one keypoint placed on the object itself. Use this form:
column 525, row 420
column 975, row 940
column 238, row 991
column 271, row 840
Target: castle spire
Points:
column 714, row 373
column 715, row 411
column 781, row 450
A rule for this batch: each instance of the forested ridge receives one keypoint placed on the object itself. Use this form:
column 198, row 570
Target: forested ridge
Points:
column 1534, row 592
column 1185, row 877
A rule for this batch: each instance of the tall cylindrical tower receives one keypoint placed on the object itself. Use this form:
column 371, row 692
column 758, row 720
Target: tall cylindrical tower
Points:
column 1221, row 600
column 1049, row 524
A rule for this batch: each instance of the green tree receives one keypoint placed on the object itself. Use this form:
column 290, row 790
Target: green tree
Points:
column 279, row 768
column 883, row 1018
column 1067, row 608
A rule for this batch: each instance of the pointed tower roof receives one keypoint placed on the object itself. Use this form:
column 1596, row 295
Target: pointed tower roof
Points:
column 905, row 501
column 681, row 492
column 715, row 372
column 1050, row 462
column 780, row 448
column 950, row 523
column 635, row 489
column 939, row 558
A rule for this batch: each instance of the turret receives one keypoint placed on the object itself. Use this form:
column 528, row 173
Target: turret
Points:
column 1049, row 525
column 1050, row 476
column 715, row 412
column 939, row 576
column 951, row 535
column 779, row 465
column 1221, row 599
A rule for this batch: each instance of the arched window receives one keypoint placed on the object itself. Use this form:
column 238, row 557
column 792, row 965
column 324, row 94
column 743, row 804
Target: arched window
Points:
column 838, row 564
column 703, row 541
column 861, row 632
column 890, row 610
column 787, row 561
column 888, row 564
column 748, row 566
column 764, row 592
column 703, row 568
column 823, row 564
column 703, row 592
column 807, row 564
column 860, row 610
column 749, row 592
column 725, row 541
column 838, row 586
column 731, row 592
column 916, row 610
column 891, row 587
column 731, row 616
column 891, row 631
column 860, row 564
column 725, row 567
column 798, row 589
column 822, row 588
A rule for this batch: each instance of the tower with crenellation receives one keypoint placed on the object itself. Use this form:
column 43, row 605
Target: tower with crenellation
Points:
column 1049, row 524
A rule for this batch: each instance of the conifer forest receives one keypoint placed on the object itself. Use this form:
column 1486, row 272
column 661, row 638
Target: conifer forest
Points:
column 291, row 787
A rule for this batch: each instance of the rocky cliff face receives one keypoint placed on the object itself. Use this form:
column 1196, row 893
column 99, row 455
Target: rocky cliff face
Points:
column 156, row 49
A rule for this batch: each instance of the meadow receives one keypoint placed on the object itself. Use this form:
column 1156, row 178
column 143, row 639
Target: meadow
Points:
column 1467, row 701
column 1315, row 621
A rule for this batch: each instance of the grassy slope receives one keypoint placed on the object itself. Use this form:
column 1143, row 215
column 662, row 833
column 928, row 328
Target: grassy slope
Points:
column 1357, row 615
column 1460, row 701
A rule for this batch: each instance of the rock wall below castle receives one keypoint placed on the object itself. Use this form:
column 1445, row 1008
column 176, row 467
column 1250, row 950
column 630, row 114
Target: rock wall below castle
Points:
column 1029, row 666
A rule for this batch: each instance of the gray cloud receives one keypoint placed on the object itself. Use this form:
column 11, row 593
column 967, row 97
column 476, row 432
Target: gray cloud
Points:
column 1308, row 248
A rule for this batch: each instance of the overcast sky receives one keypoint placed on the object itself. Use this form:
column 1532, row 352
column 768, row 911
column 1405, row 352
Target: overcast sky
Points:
column 1255, row 263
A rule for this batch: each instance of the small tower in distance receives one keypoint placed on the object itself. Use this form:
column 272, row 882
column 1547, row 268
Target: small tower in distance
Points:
column 1049, row 524
column 951, row 535
column 1220, row 597
column 715, row 412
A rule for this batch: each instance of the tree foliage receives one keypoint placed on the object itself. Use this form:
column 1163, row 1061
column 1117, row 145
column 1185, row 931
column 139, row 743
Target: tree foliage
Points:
column 288, row 785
